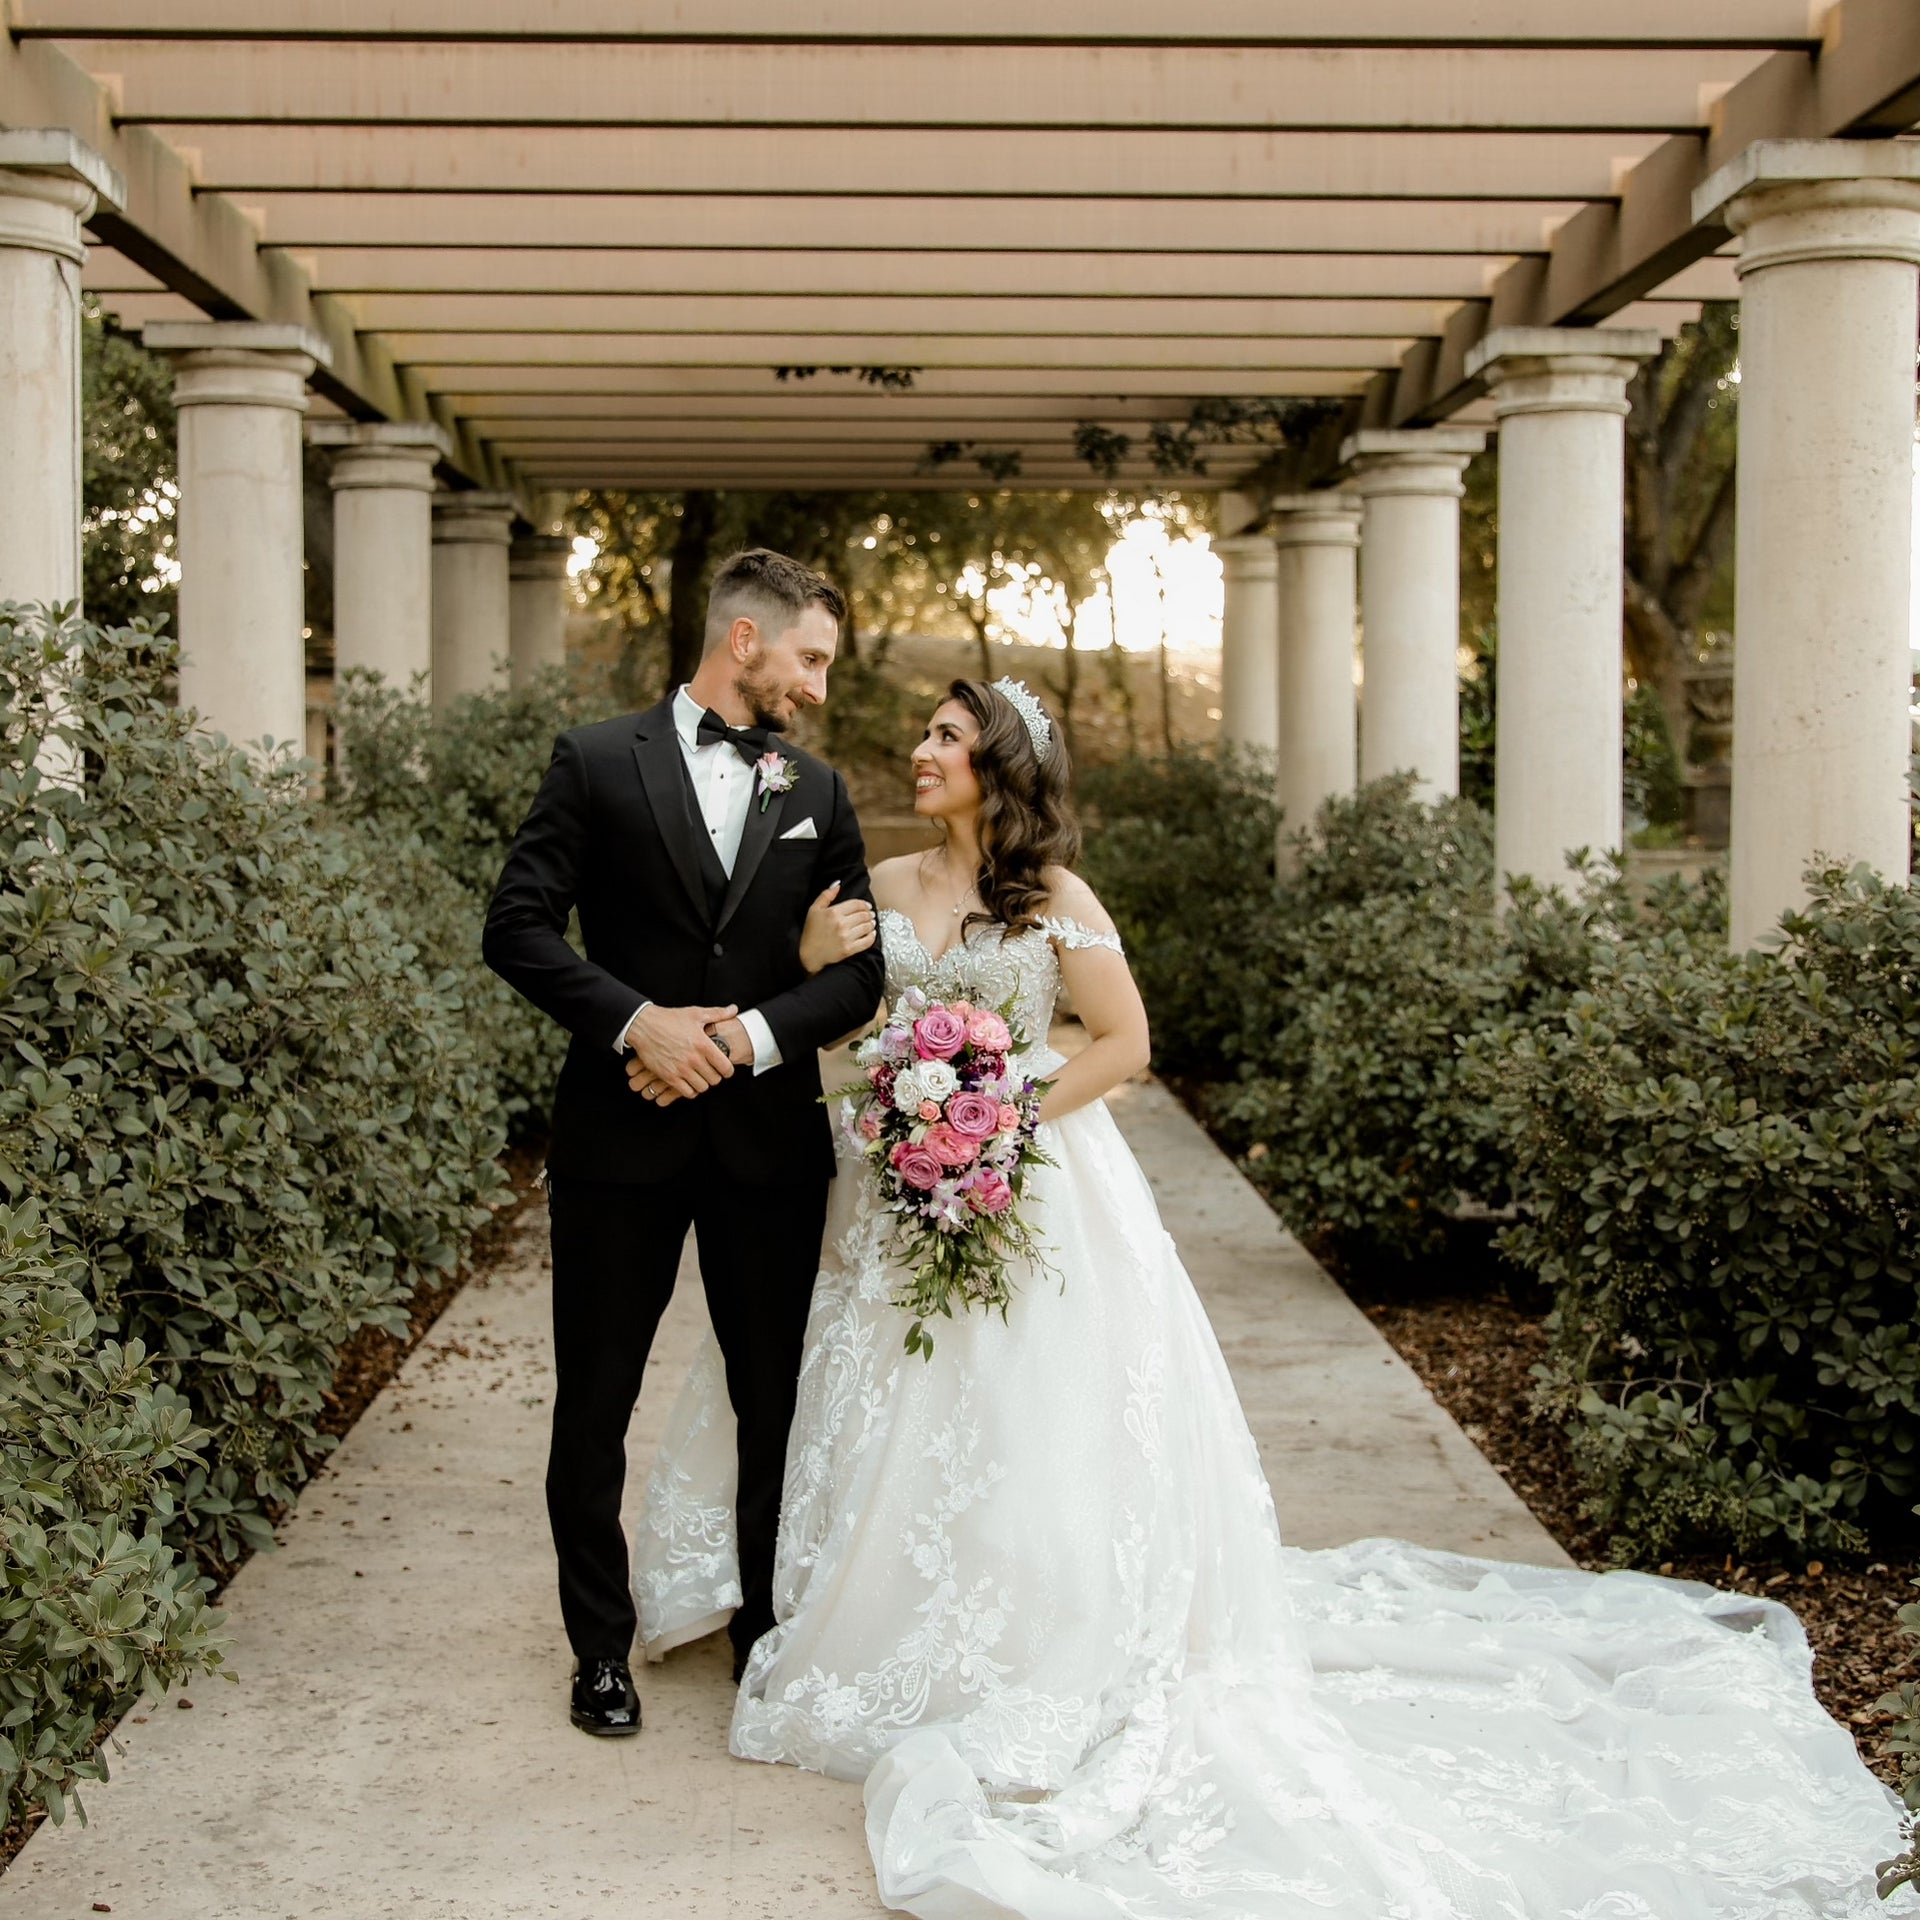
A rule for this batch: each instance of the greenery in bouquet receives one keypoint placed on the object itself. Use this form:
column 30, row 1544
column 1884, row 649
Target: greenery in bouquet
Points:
column 949, row 1126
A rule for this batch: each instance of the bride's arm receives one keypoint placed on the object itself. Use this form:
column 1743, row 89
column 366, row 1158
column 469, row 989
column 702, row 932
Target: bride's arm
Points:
column 1106, row 1001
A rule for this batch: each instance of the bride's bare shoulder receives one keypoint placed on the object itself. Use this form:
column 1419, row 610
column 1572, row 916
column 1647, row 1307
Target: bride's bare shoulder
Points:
column 896, row 882
column 1070, row 898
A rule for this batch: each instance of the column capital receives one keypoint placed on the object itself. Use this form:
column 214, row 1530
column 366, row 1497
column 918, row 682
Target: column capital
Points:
column 1248, row 556
column 1326, row 519
column 1411, row 459
column 1561, row 369
column 238, row 363
column 49, row 184
column 474, row 518
column 381, row 454
column 1797, row 200
column 540, row 556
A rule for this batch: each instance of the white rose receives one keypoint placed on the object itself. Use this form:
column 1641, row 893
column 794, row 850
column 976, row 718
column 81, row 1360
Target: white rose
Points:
column 937, row 1078
column 907, row 1090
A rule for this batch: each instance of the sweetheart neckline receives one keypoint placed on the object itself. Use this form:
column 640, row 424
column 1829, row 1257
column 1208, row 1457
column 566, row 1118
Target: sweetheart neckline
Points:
column 953, row 946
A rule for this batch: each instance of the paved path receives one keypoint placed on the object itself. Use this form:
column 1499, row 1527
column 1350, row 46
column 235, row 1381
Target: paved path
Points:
column 396, row 1744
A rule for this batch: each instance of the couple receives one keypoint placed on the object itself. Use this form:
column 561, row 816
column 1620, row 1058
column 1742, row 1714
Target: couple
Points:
column 1032, row 1590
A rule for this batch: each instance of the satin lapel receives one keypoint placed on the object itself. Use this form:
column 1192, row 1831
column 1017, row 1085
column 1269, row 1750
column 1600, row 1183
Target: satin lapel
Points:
column 755, row 838
column 657, row 754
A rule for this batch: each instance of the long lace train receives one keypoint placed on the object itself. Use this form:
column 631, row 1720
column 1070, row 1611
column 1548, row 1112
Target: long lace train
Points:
column 1034, row 1594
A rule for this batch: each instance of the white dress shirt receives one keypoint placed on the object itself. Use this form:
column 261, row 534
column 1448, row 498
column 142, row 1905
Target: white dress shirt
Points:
column 723, row 785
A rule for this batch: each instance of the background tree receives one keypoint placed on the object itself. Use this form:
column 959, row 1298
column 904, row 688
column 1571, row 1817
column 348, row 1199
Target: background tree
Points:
column 129, row 476
column 1680, row 443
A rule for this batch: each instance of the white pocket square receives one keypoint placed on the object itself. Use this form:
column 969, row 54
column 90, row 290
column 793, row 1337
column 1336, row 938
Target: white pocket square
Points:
column 804, row 831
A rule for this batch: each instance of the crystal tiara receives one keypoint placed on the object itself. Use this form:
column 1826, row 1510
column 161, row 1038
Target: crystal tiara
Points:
column 1039, row 727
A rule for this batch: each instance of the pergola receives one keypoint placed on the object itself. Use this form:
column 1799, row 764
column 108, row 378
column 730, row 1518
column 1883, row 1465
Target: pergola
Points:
column 501, row 249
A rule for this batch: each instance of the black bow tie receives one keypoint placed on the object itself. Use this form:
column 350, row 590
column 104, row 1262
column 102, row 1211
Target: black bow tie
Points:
column 748, row 742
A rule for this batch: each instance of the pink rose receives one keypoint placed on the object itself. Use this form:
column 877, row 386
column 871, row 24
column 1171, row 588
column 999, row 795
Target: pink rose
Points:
column 949, row 1147
column 988, row 1032
column 973, row 1115
column 988, row 1192
column 1008, row 1119
column 929, row 1109
column 916, row 1166
column 964, row 1008
column 870, row 1126
column 939, row 1034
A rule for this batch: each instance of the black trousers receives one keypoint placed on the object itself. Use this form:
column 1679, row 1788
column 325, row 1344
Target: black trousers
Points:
column 615, row 1251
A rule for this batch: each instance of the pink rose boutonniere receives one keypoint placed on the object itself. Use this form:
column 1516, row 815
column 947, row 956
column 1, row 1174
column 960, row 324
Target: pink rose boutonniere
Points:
column 773, row 773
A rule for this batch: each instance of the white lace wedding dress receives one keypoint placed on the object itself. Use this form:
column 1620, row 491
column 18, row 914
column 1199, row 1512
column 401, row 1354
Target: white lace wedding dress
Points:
column 1033, row 1592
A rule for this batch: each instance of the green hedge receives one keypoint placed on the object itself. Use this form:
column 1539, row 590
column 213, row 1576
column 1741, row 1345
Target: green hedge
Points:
column 1710, row 1160
column 1720, row 1156
column 442, row 793
column 97, row 1608
column 247, row 1104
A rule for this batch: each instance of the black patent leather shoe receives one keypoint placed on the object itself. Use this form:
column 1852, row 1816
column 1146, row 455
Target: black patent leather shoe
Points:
column 604, row 1700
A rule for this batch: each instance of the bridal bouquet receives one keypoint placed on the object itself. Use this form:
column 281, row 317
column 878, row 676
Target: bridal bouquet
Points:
column 948, row 1130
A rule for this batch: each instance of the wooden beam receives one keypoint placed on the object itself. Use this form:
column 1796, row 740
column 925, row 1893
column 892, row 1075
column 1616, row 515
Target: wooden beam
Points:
column 1651, row 23
column 1005, row 352
column 951, row 276
column 475, row 385
column 725, row 223
column 933, row 164
column 1006, row 88
column 838, row 319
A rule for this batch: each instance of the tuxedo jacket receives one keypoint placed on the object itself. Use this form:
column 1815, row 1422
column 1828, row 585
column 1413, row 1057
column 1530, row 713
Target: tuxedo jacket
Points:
column 615, row 832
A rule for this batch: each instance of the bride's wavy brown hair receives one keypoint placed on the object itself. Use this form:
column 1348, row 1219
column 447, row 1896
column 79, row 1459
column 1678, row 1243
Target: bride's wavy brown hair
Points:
column 1027, row 821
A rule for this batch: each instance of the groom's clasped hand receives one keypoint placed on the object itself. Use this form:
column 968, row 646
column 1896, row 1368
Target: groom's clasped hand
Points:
column 676, row 1053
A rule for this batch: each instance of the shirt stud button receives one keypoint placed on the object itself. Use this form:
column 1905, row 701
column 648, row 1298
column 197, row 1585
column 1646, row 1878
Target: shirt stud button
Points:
column 718, row 949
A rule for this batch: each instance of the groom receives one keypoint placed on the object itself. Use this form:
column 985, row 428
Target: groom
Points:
column 691, row 840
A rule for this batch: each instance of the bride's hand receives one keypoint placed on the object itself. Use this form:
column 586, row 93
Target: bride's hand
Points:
column 835, row 933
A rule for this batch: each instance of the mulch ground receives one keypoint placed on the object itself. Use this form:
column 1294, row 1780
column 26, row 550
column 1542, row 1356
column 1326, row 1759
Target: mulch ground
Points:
column 367, row 1363
column 1476, row 1353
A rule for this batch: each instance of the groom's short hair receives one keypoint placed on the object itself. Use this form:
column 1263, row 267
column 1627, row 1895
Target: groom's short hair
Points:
column 768, row 588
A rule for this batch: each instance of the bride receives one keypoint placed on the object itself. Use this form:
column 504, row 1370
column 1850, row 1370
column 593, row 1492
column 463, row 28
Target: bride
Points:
column 1032, row 1590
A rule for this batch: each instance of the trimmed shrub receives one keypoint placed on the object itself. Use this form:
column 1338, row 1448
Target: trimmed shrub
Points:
column 1350, row 1113
column 1720, row 1155
column 439, row 796
column 96, row 1609
column 249, row 1107
column 1180, row 852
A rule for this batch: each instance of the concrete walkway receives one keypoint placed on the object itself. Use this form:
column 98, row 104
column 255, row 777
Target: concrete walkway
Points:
column 397, row 1743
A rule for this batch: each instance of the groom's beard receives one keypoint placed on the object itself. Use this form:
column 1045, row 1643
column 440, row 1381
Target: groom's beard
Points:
column 763, row 698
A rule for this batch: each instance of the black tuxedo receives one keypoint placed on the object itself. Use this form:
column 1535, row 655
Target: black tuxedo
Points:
column 615, row 833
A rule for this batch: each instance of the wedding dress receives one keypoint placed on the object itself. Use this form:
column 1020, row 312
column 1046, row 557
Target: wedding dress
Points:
column 1032, row 1591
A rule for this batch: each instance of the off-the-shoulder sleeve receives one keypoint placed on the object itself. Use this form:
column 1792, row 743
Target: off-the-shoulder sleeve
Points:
column 1070, row 934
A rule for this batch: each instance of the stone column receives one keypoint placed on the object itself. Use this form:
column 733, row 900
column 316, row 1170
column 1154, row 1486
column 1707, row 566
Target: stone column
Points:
column 471, row 628
column 1409, row 486
column 382, row 482
column 1249, row 642
column 537, row 613
column 1830, row 237
column 1318, row 538
column 241, row 389
column 49, row 185
column 1560, row 394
